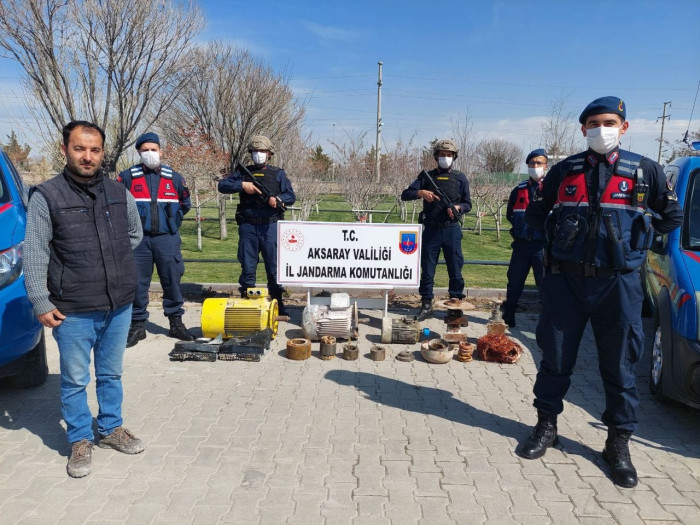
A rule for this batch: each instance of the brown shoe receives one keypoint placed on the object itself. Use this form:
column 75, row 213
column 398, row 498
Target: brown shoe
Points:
column 123, row 441
column 80, row 460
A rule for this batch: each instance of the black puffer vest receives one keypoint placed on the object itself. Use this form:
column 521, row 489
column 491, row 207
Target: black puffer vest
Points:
column 91, row 265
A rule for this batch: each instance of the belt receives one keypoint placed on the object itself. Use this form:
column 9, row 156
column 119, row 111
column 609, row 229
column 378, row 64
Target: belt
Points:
column 259, row 221
column 439, row 224
column 585, row 269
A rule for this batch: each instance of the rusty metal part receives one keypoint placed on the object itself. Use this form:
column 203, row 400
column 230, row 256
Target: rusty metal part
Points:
column 456, row 304
column 350, row 352
column 328, row 347
column 436, row 351
column 465, row 352
column 298, row 349
column 406, row 356
column 377, row 353
column 403, row 330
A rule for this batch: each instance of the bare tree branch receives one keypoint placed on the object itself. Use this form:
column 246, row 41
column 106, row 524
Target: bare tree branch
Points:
column 112, row 62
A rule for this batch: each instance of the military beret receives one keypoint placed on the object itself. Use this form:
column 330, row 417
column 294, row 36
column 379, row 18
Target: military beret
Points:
column 603, row 105
column 147, row 137
column 540, row 152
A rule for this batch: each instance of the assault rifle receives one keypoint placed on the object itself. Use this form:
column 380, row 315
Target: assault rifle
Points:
column 444, row 199
column 264, row 192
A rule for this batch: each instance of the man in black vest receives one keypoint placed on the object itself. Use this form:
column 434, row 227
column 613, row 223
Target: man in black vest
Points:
column 441, row 229
column 257, row 216
column 605, row 204
column 82, row 228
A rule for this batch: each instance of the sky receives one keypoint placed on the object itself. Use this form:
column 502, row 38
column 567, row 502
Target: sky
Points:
column 501, row 63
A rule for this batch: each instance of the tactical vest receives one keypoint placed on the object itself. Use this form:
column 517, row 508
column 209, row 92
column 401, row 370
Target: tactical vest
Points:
column 160, row 214
column 447, row 181
column 91, row 264
column 614, row 233
column 256, row 205
column 520, row 228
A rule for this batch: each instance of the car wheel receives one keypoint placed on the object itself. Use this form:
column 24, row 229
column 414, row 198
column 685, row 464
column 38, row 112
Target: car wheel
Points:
column 35, row 369
column 656, row 385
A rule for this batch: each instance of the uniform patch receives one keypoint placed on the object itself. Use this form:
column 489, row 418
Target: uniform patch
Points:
column 619, row 195
column 138, row 187
column 623, row 186
column 570, row 190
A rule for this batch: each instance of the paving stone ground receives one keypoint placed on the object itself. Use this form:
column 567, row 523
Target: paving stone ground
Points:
column 344, row 442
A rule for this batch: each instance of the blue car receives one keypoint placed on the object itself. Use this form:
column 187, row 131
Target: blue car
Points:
column 22, row 348
column 672, row 286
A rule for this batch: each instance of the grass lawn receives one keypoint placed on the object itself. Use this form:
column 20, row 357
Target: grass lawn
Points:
column 476, row 247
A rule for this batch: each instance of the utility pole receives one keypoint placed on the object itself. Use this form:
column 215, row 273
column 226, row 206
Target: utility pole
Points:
column 377, row 148
column 663, row 121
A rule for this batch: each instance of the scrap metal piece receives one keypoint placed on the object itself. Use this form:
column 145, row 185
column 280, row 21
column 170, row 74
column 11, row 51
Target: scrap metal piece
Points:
column 405, row 356
column 328, row 347
column 403, row 330
column 298, row 349
column 377, row 353
column 193, row 351
column 465, row 352
column 350, row 352
column 436, row 351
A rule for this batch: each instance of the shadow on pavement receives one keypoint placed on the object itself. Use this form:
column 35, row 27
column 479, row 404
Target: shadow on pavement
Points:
column 38, row 410
column 441, row 403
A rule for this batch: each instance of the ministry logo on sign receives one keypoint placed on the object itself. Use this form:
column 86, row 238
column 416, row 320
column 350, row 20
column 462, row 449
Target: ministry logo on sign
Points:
column 408, row 243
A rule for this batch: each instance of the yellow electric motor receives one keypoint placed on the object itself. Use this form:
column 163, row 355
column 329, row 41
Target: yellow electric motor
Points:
column 240, row 316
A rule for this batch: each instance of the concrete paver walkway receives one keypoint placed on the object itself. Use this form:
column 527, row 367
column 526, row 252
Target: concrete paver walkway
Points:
column 361, row 442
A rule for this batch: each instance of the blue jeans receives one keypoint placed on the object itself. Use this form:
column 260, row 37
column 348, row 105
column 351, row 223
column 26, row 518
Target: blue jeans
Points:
column 103, row 332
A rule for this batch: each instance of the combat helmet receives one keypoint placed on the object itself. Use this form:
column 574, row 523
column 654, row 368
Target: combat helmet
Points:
column 260, row 142
column 445, row 145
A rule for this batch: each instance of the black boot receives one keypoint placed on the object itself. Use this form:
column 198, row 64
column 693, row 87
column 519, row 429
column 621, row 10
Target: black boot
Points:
column 508, row 317
column 617, row 455
column 544, row 435
column 281, row 310
column 137, row 332
column 178, row 330
column 426, row 309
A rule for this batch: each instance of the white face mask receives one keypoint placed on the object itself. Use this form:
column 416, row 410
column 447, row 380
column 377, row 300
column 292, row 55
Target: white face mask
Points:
column 151, row 159
column 259, row 158
column 602, row 139
column 445, row 162
column 536, row 173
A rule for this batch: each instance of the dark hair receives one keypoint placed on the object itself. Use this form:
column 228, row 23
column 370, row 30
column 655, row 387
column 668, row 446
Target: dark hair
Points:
column 68, row 128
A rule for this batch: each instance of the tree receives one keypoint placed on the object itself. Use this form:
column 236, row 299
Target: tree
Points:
column 400, row 166
column 235, row 96
column 681, row 147
column 117, row 63
column 18, row 154
column 559, row 132
column 201, row 162
column 356, row 174
column 305, row 167
column 463, row 133
column 321, row 163
column 498, row 156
